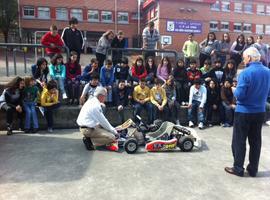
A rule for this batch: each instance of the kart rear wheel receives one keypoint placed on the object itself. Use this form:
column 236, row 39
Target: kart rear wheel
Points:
column 131, row 145
column 185, row 144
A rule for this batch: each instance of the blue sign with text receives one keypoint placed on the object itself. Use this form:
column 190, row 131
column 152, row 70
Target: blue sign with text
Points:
column 184, row 26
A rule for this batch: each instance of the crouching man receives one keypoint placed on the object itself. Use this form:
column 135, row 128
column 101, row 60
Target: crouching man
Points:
column 93, row 124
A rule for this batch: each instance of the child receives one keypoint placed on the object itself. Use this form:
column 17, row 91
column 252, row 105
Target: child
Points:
column 58, row 73
column 181, row 80
column 40, row 72
column 89, row 88
column 228, row 102
column 205, row 70
column 121, row 72
column 138, row 70
column 49, row 101
column 164, row 69
column 89, row 70
column 73, row 69
column 107, row 78
column 121, row 97
column 29, row 103
column 151, row 69
column 212, row 102
column 193, row 72
column 217, row 73
column 159, row 100
column 230, row 69
column 141, row 96
column 197, row 99
column 173, row 105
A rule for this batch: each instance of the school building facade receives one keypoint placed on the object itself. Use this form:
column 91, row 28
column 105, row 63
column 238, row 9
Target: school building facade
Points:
column 173, row 18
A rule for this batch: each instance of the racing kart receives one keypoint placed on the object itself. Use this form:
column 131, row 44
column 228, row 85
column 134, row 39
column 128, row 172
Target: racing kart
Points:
column 162, row 136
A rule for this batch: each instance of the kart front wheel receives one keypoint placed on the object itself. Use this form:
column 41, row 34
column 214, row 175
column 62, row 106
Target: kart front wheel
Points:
column 131, row 145
column 185, row 144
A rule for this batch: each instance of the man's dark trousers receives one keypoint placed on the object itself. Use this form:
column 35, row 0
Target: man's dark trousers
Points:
column 247, row 125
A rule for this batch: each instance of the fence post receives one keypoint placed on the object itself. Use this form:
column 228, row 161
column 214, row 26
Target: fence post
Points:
column 24, row 60
column 7, row 67
column 14, row 60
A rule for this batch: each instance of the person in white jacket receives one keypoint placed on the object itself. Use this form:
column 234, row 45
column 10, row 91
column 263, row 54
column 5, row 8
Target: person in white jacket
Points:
column 197, row 100
column 93, row 124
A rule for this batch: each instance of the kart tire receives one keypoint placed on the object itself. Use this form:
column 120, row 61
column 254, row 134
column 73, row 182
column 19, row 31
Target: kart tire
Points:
column 186, row 144
column 131, row 145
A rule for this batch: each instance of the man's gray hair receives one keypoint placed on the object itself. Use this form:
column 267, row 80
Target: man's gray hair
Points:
column 100, row 91
column 253, row 53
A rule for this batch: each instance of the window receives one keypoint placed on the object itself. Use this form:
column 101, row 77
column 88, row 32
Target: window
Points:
column 93, row 15
column 248, row 8
column 237, row 27
column 213, row 25
column 77, row 13
column 122, row 18
column 44, row 13
column 224, row 26
column 238, row 7
column 247, row 28
column 260, row 9
column 267, row 29
column 106, row 16
column 134, row 16
column 215, row 6
column 225, row 7
column 28, row 12
column 259, row 29
column 61, row 14
column 267, row 10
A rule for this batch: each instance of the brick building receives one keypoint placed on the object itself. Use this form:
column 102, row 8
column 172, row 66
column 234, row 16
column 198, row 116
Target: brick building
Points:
column 173, row 18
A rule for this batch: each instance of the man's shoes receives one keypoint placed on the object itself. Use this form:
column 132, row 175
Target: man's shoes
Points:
column 250, row 173
column 230, row 170
column 268, row 122
column 226, row 125
column 112, row 147
column 88, row 144
column 190, row 124
column 200, row 125
column 9, row 130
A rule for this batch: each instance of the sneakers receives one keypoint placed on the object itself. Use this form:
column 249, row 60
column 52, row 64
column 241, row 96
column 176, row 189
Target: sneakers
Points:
column 112, row 147
column 9, row 130
column 88, row 144
column 177, row 122
column 41, row 109
column 268, row 122
column 50, row 130
column 226, row 125
column 64, row 96
column 190, row 124
column 200, row 125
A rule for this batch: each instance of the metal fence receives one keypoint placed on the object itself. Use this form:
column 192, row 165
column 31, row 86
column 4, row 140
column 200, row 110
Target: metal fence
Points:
column 18, row 47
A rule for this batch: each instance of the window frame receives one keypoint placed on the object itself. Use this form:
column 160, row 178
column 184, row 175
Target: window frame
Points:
column 264, row 11
column 29, row 16
column 216, row 8
column 90, row 19
column 262, row 29
column 223, row 23
column 214, row 22
column 248, row 12
column 247, row 31
column 106, row 21
column 57, row 17
column 71, row 14
column 120, row 21
column 267, row 32
column 226, row 3
column 238, row 11
column 237, row 24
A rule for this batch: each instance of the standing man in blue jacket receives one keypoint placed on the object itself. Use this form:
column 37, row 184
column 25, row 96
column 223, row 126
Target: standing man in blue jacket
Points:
column 251, row 94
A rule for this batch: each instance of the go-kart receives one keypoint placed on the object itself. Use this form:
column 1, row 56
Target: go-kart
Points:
column 164, row 136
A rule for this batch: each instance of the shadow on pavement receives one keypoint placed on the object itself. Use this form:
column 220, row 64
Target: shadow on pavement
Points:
column 37, row 158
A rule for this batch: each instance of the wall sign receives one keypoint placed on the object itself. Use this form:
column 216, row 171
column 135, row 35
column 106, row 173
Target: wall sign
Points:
column 184, row 26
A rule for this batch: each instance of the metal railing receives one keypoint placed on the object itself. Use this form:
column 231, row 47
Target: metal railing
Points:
column 141, row 51
column 18, row 47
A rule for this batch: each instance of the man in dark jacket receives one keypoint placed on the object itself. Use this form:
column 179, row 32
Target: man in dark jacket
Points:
column 73, row 37
column 251, row 94
column 118, row 42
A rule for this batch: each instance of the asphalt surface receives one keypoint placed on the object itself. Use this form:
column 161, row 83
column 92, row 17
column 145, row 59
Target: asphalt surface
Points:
column 57, row 166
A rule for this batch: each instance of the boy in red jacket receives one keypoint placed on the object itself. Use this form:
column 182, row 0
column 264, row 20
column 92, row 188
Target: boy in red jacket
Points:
column 52, row 39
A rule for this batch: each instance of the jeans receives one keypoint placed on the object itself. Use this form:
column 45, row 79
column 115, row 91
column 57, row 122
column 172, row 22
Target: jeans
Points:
column 229, row 113
column 148, row 106
column 48, row 111
column 208, row 108
column 61, row 84
column 195, row 113
column 10, row 110
column 73, row 89
column 173, row 111
column 30, row 113
column 157, row 114
column 247, row 126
